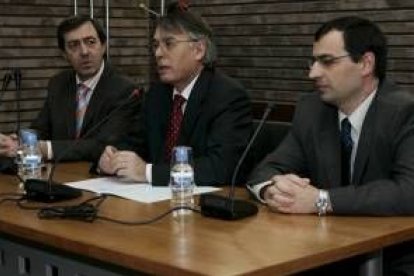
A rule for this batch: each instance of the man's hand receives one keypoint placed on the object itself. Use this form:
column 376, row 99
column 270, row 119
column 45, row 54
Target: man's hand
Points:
column 291, row 194
column 9, row 145
column 105, row 161
column 129, row 165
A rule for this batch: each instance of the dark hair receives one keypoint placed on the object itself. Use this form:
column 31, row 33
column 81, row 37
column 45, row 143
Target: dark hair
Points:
column 179, row 18
column 360, row 36
column 74, row 22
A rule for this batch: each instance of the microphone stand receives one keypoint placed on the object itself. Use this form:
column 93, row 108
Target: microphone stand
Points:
column 50, row 191
column 228, row 207
column 18, row 80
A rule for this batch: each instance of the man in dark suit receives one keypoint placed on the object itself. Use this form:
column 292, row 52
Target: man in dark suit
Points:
column 351, row 148
column 63, row 117
column 216, row 119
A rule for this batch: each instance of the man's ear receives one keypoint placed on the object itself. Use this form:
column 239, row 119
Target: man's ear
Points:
column 200, row 48
column 368, row 63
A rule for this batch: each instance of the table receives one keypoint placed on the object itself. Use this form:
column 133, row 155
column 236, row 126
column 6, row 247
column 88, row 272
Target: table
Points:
column 267, row 244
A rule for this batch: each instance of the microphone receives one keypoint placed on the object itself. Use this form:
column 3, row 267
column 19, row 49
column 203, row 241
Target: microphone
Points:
column 6, row 81
column 148, row 10
column 228, row 207
column 17, row 80
column 51, row 191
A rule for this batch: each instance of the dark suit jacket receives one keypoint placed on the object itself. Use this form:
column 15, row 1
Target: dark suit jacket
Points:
column 56, row 121
column 383, row 179
column 216, row 124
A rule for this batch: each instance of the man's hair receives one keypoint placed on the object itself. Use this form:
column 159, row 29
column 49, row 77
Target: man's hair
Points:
column 360, row 36
column 75, row 22
column 179, row 18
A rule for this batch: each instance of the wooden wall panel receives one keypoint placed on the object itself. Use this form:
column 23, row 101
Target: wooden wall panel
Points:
column 265, row 44
column 28, row 41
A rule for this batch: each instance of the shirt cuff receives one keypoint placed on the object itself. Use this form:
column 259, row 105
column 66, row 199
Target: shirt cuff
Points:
column 49, row 150
column 148, row 172
column 256, row 189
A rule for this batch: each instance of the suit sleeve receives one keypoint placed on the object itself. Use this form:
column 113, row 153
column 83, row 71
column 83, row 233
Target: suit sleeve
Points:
column 289, row 156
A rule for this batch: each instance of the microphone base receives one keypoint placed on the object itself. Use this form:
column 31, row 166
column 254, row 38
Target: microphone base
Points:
column 43, row 191
column 220, row 207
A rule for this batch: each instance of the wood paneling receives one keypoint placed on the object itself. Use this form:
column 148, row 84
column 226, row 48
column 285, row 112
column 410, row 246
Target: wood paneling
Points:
column 28, row 41
column 265, row 43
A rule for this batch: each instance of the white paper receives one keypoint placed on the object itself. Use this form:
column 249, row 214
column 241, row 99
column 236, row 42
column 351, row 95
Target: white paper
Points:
column 141, row 192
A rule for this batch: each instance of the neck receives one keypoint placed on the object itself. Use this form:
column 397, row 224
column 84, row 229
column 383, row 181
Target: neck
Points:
column 350, row 105
column 182, row 85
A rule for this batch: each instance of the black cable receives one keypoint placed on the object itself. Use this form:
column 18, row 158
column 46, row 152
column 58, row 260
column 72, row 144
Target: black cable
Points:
column 150, row 220
column 85, row 211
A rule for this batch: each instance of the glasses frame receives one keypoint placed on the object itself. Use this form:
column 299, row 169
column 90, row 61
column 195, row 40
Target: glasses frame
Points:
column 325, row 60
column 168, row 44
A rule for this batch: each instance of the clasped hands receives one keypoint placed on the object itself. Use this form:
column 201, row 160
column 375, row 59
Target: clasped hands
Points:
column 125, row 164
column 8, row 145
column 290, row 193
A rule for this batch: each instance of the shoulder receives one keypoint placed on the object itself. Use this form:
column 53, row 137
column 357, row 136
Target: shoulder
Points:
column 115, row 78
column 62, row 78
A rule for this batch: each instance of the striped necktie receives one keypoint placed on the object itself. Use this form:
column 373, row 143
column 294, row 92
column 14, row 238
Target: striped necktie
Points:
column 82, row 98
column 174, row 126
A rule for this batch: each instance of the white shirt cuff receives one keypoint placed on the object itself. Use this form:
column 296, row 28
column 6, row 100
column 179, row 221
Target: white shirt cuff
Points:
column 49, row 150
column 148, row 172
column 256, row 189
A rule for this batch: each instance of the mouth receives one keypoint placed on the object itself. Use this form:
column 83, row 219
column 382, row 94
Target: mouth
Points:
column 162, row 68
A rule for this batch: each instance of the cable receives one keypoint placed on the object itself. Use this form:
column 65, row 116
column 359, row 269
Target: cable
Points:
column 85, row 211
column 150, row 220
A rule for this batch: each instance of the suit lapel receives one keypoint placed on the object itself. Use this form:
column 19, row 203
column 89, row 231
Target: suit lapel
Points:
column 164, row 103
column 329, row 148
column 193, row 108
column 96, row 99
column 70, row 105
column 365, row 142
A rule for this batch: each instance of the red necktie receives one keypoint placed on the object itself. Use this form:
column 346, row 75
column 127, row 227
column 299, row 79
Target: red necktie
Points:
column 173, row 131
column 82, row 104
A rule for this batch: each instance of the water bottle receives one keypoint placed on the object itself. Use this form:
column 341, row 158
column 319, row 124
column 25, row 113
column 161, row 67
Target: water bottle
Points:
column 182, row 180
column 31, row 157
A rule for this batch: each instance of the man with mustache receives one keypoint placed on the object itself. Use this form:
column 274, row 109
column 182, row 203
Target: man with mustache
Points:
column 213, row 110
column 351, row 147
column 80, row 97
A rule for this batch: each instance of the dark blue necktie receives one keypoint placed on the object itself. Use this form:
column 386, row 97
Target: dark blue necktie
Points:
column 346, row 150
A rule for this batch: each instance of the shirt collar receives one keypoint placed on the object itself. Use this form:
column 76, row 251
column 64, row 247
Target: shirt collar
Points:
column 187, row 90
column 356, row 118
column 92, row 82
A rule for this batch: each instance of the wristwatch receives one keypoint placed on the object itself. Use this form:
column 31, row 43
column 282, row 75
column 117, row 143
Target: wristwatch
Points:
column 322, row 202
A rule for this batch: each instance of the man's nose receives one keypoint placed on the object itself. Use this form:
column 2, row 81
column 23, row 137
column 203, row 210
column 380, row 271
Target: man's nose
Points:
column 314, row 70
column 84, row 49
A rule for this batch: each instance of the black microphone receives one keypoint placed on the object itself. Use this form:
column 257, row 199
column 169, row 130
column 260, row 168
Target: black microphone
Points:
column 6, row 81
column 51, row 191
column 228, row 207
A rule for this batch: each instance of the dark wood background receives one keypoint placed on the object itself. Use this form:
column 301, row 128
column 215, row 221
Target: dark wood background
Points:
column 28, row 41
column 262, row 43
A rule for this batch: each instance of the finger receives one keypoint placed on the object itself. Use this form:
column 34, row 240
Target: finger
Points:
column 295, row 179
column 282, row 200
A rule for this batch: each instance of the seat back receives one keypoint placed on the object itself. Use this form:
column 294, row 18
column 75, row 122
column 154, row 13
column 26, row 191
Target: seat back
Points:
column 266, row 141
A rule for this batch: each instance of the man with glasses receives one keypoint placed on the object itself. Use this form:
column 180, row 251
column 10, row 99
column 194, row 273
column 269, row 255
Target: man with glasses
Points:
column 351, row 147
column 194, row 104
column 80, row 97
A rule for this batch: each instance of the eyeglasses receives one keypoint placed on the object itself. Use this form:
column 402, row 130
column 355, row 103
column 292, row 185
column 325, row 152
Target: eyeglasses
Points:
column 168, row 44
column 325, row 60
